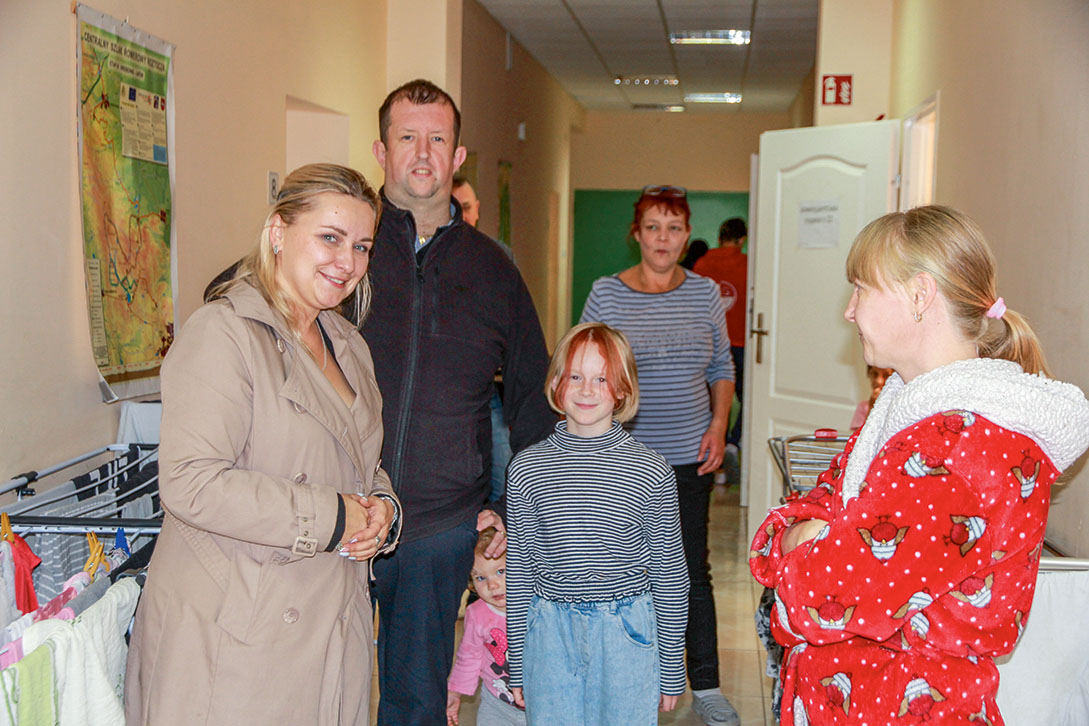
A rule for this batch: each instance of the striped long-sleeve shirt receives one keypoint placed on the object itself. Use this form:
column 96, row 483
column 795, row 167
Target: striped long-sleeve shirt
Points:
column 595, row 519
column 681, row 346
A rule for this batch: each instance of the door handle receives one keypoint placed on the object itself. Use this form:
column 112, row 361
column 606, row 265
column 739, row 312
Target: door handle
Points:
column 759, row 332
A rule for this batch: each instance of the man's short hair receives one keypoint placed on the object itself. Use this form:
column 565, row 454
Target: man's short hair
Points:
column 419, row 92
column 459, row 181
column 732, row 230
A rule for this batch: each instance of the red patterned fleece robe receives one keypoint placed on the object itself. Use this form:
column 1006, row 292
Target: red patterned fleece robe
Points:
column 894, row 613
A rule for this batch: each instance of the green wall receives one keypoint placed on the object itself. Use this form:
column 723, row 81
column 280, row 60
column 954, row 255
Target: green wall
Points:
column 602, row 219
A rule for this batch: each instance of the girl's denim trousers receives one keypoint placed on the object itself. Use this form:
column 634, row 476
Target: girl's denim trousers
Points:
column 592, row 663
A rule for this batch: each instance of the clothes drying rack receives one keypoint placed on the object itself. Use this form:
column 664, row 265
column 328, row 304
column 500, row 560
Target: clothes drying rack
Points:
column 802, row 458
column 29, row 514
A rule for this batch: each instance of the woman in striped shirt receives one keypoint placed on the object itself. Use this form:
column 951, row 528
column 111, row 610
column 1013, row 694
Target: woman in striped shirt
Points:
column 596, row 582
column 677, row 328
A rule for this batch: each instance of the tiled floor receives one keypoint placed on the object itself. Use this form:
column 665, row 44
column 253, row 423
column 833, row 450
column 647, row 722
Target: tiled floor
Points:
column 741, row 657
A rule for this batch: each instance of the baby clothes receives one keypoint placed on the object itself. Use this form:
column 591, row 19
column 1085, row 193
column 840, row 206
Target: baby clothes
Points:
column 482, row 654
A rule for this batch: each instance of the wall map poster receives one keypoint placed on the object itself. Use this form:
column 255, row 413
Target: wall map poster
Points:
column 125, row 121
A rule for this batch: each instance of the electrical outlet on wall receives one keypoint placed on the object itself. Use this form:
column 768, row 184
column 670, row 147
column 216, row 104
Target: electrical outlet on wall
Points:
column 273, row 186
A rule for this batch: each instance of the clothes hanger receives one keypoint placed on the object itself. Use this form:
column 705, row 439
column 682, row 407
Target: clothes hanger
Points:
column 97, row 554
column 6, row 532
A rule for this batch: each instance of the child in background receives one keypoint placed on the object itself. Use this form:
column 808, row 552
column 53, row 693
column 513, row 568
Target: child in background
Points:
column 877, row 377
column 598, row 588
column 482, row 655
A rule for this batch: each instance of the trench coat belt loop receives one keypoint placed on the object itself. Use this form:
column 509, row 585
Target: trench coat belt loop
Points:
column 306, row 545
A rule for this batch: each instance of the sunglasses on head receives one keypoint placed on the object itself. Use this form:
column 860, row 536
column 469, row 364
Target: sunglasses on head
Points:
column 664, row 190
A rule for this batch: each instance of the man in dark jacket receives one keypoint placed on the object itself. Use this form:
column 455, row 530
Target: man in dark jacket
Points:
column 450, row 308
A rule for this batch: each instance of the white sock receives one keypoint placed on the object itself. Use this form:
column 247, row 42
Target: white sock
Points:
column 707, row 692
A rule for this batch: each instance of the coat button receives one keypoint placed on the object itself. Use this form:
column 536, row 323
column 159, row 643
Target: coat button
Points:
column 299, row 408
column 300, row 478
column 280, row 345
column 291, row 615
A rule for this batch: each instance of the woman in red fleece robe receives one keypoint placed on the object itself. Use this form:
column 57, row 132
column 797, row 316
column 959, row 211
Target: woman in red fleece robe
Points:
column 912, row 564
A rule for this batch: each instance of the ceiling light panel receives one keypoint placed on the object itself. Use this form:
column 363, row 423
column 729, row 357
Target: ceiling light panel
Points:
column 732, row 36
column 712, row 98
column 630, row 37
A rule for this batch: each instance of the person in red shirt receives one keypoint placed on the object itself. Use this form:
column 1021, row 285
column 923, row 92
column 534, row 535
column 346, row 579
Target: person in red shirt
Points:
column 729, row 267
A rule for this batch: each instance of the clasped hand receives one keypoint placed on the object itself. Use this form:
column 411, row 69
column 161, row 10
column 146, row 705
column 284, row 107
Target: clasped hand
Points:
column 366, row 525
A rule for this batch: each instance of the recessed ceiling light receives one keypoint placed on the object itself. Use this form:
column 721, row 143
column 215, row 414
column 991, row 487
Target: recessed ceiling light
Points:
column 710, row 37
column 657, row 107
column 712, row 98
column 650, row 80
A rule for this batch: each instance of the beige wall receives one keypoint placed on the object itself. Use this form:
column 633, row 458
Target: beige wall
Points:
column 802, row 110
column 854, row 39
column 425, row 42
column 494, row 102
column 705, row 151
column 236, row 63
column 1013, row 144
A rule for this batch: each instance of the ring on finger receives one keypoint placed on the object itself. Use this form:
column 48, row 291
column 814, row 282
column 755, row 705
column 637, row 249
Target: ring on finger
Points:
column 377, row 541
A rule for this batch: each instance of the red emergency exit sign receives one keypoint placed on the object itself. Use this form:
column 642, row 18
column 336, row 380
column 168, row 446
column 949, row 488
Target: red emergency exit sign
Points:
column 836, row 91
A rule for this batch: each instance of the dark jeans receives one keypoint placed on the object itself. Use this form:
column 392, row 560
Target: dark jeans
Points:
column 737, row 352
column 419, row 589
column 701, row 637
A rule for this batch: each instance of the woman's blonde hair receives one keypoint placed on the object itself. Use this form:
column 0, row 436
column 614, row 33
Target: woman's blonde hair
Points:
column 949, row 246
column 295, row 197
column 620, row 372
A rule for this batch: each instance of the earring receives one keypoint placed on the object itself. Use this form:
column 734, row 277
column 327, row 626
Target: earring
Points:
column 276, row 251
column 918, row 317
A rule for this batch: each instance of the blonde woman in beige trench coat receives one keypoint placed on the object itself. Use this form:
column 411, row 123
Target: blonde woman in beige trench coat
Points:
column 256, row 608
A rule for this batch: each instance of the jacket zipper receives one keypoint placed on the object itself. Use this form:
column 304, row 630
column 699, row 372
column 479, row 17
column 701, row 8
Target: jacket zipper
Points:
column 410, row 377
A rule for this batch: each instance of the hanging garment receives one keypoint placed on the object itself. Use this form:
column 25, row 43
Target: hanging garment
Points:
column 63, row 554
column 75, row 585
column 89, row 657
column 25, row 562
column 8, row 610
column 29, row 691
column 92, row 594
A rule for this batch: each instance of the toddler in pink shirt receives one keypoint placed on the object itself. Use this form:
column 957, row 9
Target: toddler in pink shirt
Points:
column 482, row 655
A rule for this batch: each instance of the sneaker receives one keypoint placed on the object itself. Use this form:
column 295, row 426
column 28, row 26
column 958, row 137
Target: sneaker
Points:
column 715, row 710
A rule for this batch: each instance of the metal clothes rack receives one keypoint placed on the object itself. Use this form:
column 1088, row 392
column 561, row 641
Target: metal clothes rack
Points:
column 105, row 517
column 801, row 459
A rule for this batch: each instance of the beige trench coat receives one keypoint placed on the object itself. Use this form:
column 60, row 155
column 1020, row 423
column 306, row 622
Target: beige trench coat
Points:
column 245, row 619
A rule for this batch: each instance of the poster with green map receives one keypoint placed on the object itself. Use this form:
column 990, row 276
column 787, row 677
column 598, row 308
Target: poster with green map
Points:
column 125, row 127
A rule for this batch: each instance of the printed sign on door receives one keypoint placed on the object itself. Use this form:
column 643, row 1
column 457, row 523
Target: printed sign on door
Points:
column 836, row 91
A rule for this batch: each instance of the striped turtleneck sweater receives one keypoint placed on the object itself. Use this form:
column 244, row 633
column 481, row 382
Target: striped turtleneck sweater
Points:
column 595, row 519
column 681, row 346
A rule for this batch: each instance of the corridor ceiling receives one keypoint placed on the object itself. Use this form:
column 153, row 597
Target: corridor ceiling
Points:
column 587, row 44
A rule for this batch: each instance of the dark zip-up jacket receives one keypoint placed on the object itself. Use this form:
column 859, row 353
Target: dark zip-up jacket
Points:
column 442, row 322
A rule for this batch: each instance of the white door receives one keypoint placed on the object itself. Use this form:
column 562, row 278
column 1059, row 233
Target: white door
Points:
column 818, row 187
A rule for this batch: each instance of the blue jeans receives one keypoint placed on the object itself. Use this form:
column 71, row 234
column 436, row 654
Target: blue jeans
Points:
column 592, row 663
column 419, row 588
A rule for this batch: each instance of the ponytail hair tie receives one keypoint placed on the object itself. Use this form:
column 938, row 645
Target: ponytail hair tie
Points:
column 997, row 310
